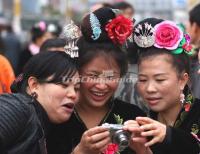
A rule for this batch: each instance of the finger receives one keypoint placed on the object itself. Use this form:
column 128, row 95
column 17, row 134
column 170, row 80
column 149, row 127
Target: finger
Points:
column 129, row 122
column 198, row 72
column 151, row 142
column 144, row 119
column 139, row 139
column 148, row 127
column 99, row 136
column 101, row 144
column 133, row 129
column 95, row 130
column 150, row 133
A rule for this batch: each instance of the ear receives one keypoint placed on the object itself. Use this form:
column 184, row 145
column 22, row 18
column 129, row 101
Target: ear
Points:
column 33, row 84
column 183, row 80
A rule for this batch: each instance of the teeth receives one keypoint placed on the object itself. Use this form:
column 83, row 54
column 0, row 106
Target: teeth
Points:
column 99, row 94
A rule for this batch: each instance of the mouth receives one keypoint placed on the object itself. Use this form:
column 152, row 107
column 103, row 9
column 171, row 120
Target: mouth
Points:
column 99, row 96
column 69, row 107
column 153, row 100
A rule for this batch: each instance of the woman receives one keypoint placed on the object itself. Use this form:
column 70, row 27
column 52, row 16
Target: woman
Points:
column 173, row 126
column 46, row 93
column 102, row 63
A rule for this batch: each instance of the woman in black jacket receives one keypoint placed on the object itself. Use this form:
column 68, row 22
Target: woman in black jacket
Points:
column 46, row 93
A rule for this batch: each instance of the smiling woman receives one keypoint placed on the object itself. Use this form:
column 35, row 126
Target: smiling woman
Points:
column 42, row 97
column 102, row 63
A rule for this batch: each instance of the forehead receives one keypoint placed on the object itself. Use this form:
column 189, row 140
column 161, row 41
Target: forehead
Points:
column 101, row 63
column 156, row 64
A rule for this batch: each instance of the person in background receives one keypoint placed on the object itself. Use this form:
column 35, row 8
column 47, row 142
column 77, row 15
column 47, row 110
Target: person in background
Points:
column 44, row 94
column 39, row 34
column 193, row 28
column 126, row 8
column 100, row 5
column 53, row 44
column 7, row 75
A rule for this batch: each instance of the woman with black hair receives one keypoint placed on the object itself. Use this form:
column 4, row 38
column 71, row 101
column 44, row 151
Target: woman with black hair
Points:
column 163, row 73
column 45, row 93
column 102, row 64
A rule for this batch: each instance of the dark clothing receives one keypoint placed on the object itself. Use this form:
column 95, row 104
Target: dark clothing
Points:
column 179, row 139
column 23, row 59
column 22, row 125
column 66, row 136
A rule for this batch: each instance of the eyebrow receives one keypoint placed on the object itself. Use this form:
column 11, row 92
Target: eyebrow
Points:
column 159, row 74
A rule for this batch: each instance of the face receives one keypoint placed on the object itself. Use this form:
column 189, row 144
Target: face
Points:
column 59, row 99
column 158, row 83
column 194, row 32
column 128, row 13
column 99, row 81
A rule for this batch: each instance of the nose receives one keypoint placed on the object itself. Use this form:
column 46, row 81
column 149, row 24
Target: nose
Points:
column 101, row 86
column 71, row 93
column 150, row 87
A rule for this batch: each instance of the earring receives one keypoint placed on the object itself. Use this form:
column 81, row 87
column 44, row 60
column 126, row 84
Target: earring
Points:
column 34, row 95
column 182, row 98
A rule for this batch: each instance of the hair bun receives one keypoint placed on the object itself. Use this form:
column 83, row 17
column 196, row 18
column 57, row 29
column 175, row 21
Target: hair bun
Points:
column 103, row 16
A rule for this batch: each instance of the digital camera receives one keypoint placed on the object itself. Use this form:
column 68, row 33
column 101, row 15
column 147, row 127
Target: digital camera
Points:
column 118, row 135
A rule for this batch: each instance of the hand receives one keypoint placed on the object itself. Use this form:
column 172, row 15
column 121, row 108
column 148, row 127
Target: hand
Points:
column 137, row 141
column 153, row 129
column 93, row 141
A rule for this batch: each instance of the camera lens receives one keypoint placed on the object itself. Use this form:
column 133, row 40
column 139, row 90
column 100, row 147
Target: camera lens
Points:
column 121, row 138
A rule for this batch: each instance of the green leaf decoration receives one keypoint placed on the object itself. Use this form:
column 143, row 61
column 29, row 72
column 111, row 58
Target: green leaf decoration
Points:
column 177, row 51
column 118, row 119
column 195, row 128
column 189, row 97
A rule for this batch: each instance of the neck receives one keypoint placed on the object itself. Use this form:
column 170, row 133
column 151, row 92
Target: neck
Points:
column 91, row 116
column 168, row 117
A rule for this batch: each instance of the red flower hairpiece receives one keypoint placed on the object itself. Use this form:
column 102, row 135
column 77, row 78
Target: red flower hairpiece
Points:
column 119, row 29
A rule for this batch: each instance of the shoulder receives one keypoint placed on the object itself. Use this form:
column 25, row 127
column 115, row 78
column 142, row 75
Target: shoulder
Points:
column 14, row 104
column 128, row 108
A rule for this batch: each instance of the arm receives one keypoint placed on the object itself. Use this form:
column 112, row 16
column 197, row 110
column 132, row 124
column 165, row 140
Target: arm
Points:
column 170, row 139
column 13, row 119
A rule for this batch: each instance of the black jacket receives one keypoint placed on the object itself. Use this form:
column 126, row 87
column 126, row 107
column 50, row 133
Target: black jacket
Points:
column 22, row 122
column 66, row 136
column 179, row 139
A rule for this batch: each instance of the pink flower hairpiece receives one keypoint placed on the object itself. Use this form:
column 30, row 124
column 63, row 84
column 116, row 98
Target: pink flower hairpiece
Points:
column 42, row 25
column 167, row 35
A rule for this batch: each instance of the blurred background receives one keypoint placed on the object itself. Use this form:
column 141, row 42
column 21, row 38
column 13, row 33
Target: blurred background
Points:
column 23, row 13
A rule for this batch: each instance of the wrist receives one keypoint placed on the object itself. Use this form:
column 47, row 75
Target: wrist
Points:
column 77, row 150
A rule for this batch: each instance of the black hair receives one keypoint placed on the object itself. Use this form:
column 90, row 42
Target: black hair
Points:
column 122, row 6
column 88, row 51
column 44, row 65
column 104, row 15
column 52, row 43
column 194, row 15
column 37, row 32
column 89, row 48
column 180, row 62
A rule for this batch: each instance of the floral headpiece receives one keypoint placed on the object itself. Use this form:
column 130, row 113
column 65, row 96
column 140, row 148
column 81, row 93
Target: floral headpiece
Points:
column 166, row 35
column 71, row 33
column 119, row 29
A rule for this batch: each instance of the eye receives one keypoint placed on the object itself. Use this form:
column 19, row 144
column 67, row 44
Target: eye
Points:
column 63, row 85
column 93, row 76
column 160, row 80
column 142, row 80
